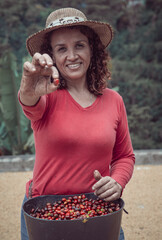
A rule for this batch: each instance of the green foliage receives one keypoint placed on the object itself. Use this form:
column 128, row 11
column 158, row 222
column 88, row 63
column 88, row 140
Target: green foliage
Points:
column 156, row 5
column 147, row 52
column 142, row 95
column 14, row 126
column 137, row 71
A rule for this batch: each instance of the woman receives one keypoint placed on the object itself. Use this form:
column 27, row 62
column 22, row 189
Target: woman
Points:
column 80, row 127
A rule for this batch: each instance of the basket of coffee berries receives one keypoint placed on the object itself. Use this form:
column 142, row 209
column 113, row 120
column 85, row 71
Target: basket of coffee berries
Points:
column 73, row 217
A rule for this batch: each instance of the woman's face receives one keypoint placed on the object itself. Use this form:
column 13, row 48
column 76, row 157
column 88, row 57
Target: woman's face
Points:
column 71, row 53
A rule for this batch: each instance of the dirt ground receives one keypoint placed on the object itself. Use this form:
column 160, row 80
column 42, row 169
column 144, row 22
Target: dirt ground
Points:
column 142, row 198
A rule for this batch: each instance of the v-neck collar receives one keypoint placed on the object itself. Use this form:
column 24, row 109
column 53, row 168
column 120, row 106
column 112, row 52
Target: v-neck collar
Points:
column 79, row 106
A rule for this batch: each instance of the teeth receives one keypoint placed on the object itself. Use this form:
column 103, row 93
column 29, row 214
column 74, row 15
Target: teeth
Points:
column 73, row 66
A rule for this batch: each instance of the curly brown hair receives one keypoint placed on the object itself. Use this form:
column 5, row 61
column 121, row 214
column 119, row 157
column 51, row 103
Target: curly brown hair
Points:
column 98, row 72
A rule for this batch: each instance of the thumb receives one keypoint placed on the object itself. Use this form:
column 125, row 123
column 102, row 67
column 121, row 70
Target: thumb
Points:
column 55, row 76
column 97, row 175
column 55, row 73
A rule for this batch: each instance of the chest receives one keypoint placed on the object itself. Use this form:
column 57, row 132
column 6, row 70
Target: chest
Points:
column 69, row 126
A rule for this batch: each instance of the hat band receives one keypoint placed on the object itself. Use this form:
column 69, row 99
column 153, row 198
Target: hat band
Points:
column 65, row 20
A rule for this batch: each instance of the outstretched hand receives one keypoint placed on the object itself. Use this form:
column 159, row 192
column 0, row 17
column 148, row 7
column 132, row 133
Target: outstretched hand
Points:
column 36, row 78
column 106, row 187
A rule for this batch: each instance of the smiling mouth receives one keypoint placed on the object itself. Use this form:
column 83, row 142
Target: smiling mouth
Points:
column 74, row 66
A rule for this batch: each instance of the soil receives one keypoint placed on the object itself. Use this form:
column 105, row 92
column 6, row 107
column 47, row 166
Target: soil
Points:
column 142, row 197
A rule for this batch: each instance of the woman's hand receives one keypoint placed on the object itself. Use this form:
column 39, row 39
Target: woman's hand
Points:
column 36, row 79
column 106, row 188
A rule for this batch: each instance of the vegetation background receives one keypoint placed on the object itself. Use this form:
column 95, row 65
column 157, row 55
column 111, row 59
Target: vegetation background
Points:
column 136, row 64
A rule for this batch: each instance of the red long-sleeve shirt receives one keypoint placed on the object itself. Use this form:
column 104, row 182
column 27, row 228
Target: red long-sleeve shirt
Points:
column 72, row 141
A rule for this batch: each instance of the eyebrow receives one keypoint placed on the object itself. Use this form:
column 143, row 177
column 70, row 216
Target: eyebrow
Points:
column 63, row 44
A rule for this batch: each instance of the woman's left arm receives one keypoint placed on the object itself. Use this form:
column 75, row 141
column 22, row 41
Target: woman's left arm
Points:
column 123, row 158
column 110, row 187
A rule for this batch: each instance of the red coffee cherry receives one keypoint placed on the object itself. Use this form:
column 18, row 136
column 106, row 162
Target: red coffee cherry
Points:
column 76, row 207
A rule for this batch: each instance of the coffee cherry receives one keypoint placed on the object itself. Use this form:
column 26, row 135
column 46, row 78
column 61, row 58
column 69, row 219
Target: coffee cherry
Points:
column 76, row 207
column 56, row 81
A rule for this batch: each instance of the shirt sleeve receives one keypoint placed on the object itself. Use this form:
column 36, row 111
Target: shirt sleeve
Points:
column 123, row 158
column 35, row 112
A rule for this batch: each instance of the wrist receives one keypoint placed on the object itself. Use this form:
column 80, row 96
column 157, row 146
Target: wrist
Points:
column 28, row 100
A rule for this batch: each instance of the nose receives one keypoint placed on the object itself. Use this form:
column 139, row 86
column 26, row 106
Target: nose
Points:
column 71, row 55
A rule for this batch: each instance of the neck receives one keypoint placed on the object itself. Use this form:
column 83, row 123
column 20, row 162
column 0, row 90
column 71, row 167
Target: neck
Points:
column 81, row 94
column 78, row 87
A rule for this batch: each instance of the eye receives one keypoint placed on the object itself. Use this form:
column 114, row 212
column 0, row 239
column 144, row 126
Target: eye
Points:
column 79, row 45
column 61, row 49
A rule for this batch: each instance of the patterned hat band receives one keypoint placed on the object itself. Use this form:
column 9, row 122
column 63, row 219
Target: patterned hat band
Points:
column 65, row 20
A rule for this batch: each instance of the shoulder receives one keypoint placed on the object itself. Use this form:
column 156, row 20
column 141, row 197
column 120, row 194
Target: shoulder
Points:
column 112, row 95
column 113, row 99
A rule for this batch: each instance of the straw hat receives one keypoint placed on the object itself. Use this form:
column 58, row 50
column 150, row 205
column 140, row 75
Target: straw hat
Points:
column 66, row 17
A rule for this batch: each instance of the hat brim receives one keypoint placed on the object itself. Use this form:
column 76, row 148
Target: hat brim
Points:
column 103, row 30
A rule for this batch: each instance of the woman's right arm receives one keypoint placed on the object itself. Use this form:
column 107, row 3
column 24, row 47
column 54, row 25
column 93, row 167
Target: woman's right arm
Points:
column 36, row 79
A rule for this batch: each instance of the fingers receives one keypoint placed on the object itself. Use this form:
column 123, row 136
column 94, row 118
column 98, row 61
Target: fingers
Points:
column 112, row 197
column 97, row 175
column 103, row 186
column 51, row 88
column 101, row 182
column 42, row 65
column 55, row 73
column 34, row 72
column 42, row 60
column 28, row 68
column 106, row 188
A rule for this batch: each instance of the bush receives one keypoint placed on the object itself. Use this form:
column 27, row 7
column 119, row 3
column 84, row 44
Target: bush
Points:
column 148, row 52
